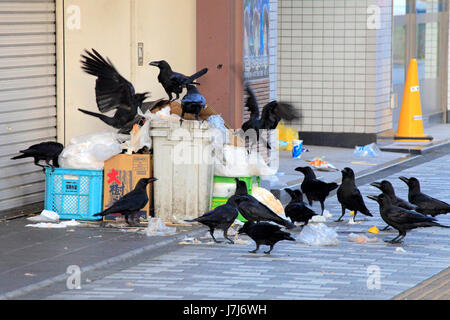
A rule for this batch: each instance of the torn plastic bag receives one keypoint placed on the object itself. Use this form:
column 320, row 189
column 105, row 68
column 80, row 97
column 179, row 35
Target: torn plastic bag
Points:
column 140, row 138
column 157, row 227
column 90, row 151
column 318, row 235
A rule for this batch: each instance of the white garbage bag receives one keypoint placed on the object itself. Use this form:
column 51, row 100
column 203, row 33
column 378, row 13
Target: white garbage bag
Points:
column 318, row 235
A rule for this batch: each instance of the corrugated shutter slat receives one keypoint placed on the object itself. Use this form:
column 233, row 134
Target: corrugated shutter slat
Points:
column 27, row 95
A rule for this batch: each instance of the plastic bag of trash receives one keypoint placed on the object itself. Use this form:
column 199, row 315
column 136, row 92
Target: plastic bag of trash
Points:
column 140, row 138
column 286, row 135
column 232, row 162
column 219, row 131
column 258, row 166
column 90, row 151
column 318, row 235
column 157, row 227
column 370, row 150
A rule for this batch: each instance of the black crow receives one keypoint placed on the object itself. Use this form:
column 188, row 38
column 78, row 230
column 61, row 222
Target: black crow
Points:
column 221, row 217
column 193, row 102
column 402, row 219
column 44, row 151
column 252, row 209
column 425, row 204
column 315, row 189
column 349, row 196
column 113, row 92
column 297, row 210
column 271, row 115
column 387, row 188
column 131, row 203
column 174, row 82
column 264, row 233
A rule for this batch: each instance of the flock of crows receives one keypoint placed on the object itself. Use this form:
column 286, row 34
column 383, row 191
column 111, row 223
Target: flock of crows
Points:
column 114, row 92
column 418, row 212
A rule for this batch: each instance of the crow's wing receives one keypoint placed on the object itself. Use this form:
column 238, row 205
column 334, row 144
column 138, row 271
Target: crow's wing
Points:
column 45, row 149
column 274, row 111
column 224, row 213
column 425, row 202
column 130, row 202
column 112, row 90
column 404, row 216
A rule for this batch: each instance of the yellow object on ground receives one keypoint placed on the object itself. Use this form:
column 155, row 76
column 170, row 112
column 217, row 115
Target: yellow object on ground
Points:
column 410, row 124
column 352, row 213
column 287, row 134
column 374, row 230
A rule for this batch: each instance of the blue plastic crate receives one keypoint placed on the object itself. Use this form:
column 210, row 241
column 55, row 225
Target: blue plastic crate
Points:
column 74, row 193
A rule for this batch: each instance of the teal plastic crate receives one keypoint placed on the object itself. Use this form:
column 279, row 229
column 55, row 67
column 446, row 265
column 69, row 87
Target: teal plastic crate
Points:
column 249, row 181
column 74, row 193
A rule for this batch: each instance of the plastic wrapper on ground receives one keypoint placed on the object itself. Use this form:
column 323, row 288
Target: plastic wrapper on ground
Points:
column 318, row 235
column 360, row 238
column 157, row 227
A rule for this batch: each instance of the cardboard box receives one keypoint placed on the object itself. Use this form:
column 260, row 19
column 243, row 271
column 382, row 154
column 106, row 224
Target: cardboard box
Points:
column 121, row 174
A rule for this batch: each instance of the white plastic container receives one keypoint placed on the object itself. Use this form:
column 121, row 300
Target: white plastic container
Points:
column 183, row 163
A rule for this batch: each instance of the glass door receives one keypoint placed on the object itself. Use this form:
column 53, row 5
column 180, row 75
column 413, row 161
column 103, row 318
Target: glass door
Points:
column 419, row 32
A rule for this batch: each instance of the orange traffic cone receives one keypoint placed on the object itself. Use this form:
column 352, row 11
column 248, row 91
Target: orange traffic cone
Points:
column 410, row 124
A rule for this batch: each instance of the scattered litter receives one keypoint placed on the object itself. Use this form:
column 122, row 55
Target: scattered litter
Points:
column 48, row 225
column 240, row 241
column 188, row 240
column 352, row 220
column 29, row 274
column 318, row 235
column 219, row 234
column 363, row 163
column 317, row 219
column 157, row 227
column 360, row 238
column 129, row 284
column 400, row 250
column 370, row 150
column 374, row 230
column 322, row 165
column 45, row 216
column 327, row 214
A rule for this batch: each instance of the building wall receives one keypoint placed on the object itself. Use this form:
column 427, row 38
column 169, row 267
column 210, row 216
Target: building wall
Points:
column 334, row 66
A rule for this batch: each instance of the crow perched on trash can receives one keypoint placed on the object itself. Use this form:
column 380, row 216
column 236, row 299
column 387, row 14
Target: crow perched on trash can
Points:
column 253, row 210
column 264, row 233
column 44, row 151
column 425, row 204
column 193, row 102
column 296, row 209
column 113, row 92
column 174, row 82
column 131, row 203
column 402, row 219
column 221, row 217
column 272, row 113
column 315, row 189
column 349, row 195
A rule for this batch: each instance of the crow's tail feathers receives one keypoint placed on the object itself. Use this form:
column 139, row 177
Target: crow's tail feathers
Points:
column 196, row 75
column 109, row 121
column 332, row 186
column 20, row 157
column 289, row 225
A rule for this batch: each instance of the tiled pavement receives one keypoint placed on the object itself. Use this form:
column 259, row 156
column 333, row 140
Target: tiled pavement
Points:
column 294, row 270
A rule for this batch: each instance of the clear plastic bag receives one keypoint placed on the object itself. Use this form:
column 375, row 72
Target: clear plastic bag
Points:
column 370, row 150
column 318, row 235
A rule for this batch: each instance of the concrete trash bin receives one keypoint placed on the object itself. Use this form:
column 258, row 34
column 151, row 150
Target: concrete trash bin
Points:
column 183, row 162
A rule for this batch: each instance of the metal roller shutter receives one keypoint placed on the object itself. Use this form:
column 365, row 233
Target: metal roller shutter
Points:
column 27, row 95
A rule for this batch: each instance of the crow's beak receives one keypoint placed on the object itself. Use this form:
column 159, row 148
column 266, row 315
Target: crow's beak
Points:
column 376, row 185
column 373, row 197
column 152, row 179
column 404, row 179
column 299, row 169
column 154, row 63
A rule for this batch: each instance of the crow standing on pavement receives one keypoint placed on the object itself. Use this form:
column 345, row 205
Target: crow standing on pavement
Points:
column 402, row 219
column 193, row 102
column 44, row 151
column 221, row 217
column 271, row 115
column 315, row 189
column 131, row 203
column 387, row 188
column 425, row 204
column 253, row 210
column 113, row 92
column 349, row 195
column 264, row 233
column 174, row 82
column 297, row 210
